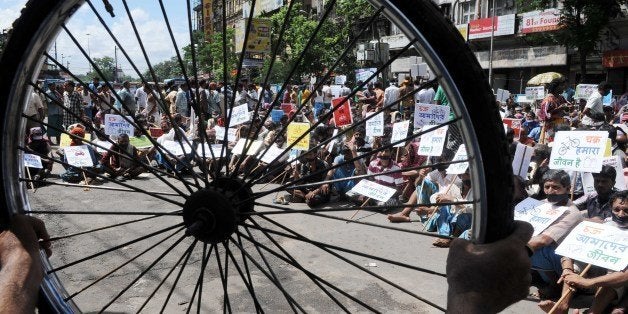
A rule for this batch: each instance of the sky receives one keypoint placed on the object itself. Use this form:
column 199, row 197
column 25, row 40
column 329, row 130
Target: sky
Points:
column 86, row 28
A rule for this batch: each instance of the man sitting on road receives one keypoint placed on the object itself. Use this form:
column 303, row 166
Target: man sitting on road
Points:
column 122, row 159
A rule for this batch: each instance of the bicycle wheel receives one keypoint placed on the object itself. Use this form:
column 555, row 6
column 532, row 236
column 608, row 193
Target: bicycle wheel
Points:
column 210, row 237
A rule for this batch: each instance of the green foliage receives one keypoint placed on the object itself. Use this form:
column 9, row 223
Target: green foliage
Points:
column 582, row 23
column 106, row 65
column 213, row 49
column 166, row 69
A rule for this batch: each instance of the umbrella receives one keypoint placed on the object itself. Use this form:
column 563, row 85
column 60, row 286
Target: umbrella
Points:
column 544, row 78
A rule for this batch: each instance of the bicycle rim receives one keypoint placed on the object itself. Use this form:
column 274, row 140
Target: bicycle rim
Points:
column 258, row 241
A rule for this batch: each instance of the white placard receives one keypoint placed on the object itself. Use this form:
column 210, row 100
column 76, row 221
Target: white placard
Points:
column 374, row 190
column 540, row 217
column 102, row 144
column 597, row 244
column 253, row 147
column 502, row 95
column 400, row 133
column 32, row 161
column 527, row 205
column 521, row 161
column 461, row 167
column 432, row 143
column 615, row 162
column 116, row 125
column 578, row 150
column 220, row 134
column 294, row 156
column 584, row 91
column 175, row 148
column 272, row 153
column 78, row 156
column 340, row 79
column 336, row 90
column 587, row 183
column 375, row 125
column 239, row 115
column 425, row 114
column 215, row 150
column 535, row 92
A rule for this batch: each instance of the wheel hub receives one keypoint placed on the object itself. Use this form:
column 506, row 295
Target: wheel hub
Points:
column 211, row 215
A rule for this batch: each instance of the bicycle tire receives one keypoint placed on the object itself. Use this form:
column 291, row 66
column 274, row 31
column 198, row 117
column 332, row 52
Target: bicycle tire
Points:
column 461, row 76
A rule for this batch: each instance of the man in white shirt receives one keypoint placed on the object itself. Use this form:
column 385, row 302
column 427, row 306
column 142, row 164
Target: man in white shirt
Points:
column 141, row 95
column 424, row 96
column 391, row 94
column 181, row 101
column 594, row 109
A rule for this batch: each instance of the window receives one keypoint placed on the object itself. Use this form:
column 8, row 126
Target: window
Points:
column 466, row 12
column 502, row 7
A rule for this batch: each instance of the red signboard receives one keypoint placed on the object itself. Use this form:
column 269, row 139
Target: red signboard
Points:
column 342, row 115
column 514, row 124
column 615, row 59
column 503, row 25
column 540, row 21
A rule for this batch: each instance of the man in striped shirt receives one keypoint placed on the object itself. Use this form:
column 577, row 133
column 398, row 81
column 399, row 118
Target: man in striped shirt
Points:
column 383, row 164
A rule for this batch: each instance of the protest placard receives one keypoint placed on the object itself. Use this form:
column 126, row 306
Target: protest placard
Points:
column 102, row 145
column 272, row 153
column 375, row 125
column 342, row 115
column 597, row 244
column 214, row 151
column 432, row 142
column 78, row 156
column 294, row 155
column 296, row 130
column 340, row 79
column 239, row 115
column 430, row 114
column 461, row 167
column 514, row 124
column 527, row 205
column 374, row 190
column 276, row 115
column 66, row 139
column 584, row 91
column 335, row 90
column 177, row 148
column 535, row 92
column 613, row 161
column 140, row 142
column 502, row 95
column 32, row 161
column 116, row 125
column 252, row 147
column 220, row 134
column 540, row 216
column 521, row 161
column 578, row 150
column 400, row 132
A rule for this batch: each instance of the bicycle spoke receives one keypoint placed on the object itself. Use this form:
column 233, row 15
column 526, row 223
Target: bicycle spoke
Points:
column 199, row 282
column 52, row 239
column 296, row 234
column 248, row 274
column 223, row 278
column 113, row 248
column 114, row 213
column 248, row 283
column 225, row 78
column 185, row 255
column 71, row 296
column 168, row 250
column 315, row 278
column 276, row 281
column 176, row 281
column 200, row 289
column 96, row 187
column 335, row 247
column 364, row 176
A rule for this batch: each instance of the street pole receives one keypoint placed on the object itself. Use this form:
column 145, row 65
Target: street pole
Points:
column 89, row 53
column 490, row 53
column 115, row 71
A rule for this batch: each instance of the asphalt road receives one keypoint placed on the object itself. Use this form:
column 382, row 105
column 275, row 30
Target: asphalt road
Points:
column 383, row 279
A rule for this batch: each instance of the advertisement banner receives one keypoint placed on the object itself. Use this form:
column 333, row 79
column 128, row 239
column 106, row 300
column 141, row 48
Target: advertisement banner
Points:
column 258, row 40
column 502, row 25
column 540, row 21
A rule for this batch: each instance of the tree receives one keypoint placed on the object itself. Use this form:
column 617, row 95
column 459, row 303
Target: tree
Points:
column 166, row 69
column 106, row 65
column 582, row 23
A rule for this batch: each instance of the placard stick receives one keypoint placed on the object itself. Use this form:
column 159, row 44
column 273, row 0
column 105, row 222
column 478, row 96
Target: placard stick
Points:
column 542, row 136
column 569, row 292
column 253, row 171
column 271, row 181
column 28, row 172
column 573, row 183
column 429, row 219
column 397, row 158
column 359, row 208
column 85, row 178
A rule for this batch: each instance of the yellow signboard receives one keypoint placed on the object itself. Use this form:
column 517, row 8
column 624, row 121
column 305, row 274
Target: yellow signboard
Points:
column 295, row 130
column 464, row 30
column 259, row 36
column 66, row 140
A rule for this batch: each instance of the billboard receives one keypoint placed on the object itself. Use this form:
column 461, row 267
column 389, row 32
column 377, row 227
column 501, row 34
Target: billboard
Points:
column 258, row 40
